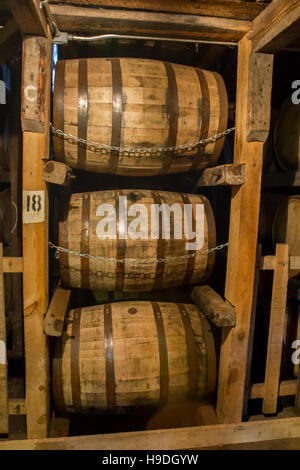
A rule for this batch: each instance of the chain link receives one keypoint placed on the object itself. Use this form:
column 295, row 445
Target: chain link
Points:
column 134, row 152
column 131, row 260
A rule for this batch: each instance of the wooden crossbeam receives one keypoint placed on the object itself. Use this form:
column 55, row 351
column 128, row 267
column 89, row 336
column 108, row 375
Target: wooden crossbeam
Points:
column 3, row 355
column 243, row 232
column 29, row 16
column 196, row 437
column 276, row 329
column 73, row 18
column 277, row 26
column 225, row 8
column 286, row 388
column 222, row 175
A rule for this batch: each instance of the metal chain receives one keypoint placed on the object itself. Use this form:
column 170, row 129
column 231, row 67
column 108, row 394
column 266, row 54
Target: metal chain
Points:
column 131, row 260
column 146, row 152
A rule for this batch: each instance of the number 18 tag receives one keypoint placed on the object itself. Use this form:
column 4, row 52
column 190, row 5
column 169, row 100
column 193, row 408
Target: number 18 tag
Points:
column 33, row 207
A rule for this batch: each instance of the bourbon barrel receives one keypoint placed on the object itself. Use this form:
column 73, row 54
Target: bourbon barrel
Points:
column 137, row 104
column 131, row 354
column 152, row 259
column 287, row 137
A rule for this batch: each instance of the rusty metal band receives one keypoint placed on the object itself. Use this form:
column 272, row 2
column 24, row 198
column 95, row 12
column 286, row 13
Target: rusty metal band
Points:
column 57, row 382
column 75, row 366
column 223, row 104
column 85, row 241
column 211, row 362
column 205, row 117
column 117, row 108
column 109, row 358
column 64, row 256
column 192, row 356
column 82, row 111
column 190, row 261
column 163, row 355
column 172, row 112
column 161, row 245
column 58, row 109
column 121, row 247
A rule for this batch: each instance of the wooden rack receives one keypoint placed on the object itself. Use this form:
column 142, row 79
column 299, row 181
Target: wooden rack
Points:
column 276, row 26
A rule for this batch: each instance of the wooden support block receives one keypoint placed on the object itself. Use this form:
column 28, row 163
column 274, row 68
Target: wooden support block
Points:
column 3, row 355
column 35, row 256
column 57, row 173
column 74, row 18
column 12, row 265
column 259, row 103
column 286, row 388
column 276, row 27
column 223, row 175
column 195, row 437
column 243, row 233
column 17, row 406
column 213, row 306
column 55, row 316
column 29, row 16
column 34, row 85
column 276, row 329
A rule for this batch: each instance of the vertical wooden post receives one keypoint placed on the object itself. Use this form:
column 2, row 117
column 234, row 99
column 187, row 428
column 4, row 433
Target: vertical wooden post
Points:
column 3, row 355
column 276, row 329
column 254, row 80
column 35, row 233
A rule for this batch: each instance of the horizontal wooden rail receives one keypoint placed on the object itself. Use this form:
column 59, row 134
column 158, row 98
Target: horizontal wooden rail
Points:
column 196, row 437
column 286, row 388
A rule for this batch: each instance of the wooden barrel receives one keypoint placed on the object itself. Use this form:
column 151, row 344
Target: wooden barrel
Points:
column 131, row 354
column 137, row 104
column 287, row 137
column 5, row 217
column 157, row 260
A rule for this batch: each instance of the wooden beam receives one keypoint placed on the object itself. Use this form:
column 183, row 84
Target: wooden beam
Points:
column 196, row 437
column 3, row 355
column 286, row 388
column 213, row 306
column 223, row 8
column 268, row 263
column 34, row 83
column 55, row 316
column 57, row 173
column 243, row 233
column 72, row 18
column 276, row 27
column 222, row 175
column 29, row 16
column 35, row 258
column 276, row 329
